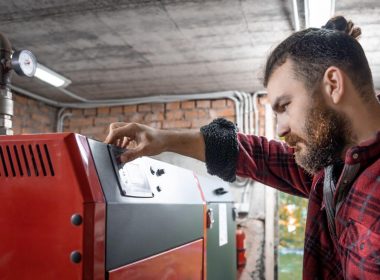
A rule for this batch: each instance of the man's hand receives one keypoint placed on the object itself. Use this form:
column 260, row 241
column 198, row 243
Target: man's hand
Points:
column 149, row 141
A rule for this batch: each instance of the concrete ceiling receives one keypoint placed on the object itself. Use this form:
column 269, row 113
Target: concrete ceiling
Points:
column 121, row 49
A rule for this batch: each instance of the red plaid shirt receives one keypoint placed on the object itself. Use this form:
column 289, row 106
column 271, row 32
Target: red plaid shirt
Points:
column 355, row 251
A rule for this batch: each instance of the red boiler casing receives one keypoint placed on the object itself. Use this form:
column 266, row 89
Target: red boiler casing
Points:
column 58, row 219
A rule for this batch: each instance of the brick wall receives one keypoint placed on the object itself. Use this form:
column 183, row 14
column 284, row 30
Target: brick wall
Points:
column 174, row 115
column 31, row 116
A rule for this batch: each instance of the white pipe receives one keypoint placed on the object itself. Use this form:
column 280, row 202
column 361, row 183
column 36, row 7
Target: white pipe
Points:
column 240, row 118
column 247, row 121
column 60, row 121
column 242, row 108
column 73, row 95
column 255, row 109
column 246, row 110
column 251, row 112
column 296, row 17
column 37, row 97
column 60, row 112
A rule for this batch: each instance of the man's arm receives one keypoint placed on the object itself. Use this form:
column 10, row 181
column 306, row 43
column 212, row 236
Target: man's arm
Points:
column 226, row 152
column 272, row 163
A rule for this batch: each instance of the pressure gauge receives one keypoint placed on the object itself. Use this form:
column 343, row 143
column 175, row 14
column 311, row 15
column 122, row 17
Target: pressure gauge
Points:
column 24, row 63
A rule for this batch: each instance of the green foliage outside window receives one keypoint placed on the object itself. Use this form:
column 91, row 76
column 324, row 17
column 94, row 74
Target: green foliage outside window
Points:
column 292, row 222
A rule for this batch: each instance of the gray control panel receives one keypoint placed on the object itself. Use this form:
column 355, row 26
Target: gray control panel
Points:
column 133, row 180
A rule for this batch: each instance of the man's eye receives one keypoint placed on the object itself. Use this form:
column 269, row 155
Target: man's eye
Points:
column 285, row 106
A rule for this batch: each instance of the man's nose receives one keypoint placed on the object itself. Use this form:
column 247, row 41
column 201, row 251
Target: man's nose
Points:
column 282, row 126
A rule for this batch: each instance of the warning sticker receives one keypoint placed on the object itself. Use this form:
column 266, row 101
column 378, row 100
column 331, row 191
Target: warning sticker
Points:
column 223, row 239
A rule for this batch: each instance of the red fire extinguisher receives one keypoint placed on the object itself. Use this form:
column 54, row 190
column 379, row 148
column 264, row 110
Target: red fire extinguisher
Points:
column 240, row 248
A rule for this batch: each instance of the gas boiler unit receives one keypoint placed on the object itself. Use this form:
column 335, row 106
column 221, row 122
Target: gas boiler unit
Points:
column 70, row 210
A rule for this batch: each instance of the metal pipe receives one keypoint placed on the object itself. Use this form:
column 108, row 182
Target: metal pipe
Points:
column 6, row 101
column 296, row 17
column 251, row 112
column 245, row 112
column 73, row 95
column 37, row 97
column 248, row 112
column 255, row 109
column 61, row 120
column 240, row 116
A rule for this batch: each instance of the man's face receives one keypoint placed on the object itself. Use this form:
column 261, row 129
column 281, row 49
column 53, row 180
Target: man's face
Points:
column 318, row 133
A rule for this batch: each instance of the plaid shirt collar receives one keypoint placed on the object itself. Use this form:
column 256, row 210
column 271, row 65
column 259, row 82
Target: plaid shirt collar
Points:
column 365, row 152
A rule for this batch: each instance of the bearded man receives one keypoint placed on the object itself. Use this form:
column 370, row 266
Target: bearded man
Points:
column 320, row 86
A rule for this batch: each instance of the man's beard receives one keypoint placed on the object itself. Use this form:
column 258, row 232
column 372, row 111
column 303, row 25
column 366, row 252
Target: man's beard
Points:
column 328, row 133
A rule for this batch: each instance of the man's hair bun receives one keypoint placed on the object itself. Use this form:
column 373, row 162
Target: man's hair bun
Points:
column 339, row 23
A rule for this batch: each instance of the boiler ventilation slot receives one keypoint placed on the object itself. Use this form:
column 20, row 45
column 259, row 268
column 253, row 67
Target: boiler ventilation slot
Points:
column 25, row 160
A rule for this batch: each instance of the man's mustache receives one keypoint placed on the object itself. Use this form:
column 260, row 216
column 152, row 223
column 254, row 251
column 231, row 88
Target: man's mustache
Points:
column 292, row 140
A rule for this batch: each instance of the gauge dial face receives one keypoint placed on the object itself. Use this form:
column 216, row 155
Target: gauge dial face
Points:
column 24, row 63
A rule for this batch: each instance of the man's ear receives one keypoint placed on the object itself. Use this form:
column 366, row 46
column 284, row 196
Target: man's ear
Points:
column 333, row 83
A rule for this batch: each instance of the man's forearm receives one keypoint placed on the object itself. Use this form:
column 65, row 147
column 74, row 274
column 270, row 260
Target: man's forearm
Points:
column 187, row 143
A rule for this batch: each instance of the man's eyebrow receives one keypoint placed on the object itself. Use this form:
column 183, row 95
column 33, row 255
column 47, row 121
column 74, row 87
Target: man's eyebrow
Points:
column 277, row 102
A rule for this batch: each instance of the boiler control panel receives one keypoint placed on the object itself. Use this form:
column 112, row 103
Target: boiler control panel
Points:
column 133, row 177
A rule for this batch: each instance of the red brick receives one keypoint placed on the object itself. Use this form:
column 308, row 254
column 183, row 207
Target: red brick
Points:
column 90, row 130
column 230, row 103
column 155, row 124
column 188, row 104
column 231, row 119
column 144, row 108
column 43, row 109
column 81, row 122
column 189, row 115
column 203, row 104
column 133, row 117
column 16, row 111
column 66, row 122
column 21, row 99
column 172, row 106
column 227, row 112
column 105, row 121
column 174, row 115
column 77, row 112
column 159, row 116
column 158, row 107
column 218, row 103
column 40, row 118
column 176, row 124
column 203, row 114
column 102, row 111
column 117, row 110
column 130, row 108
column 89, row 112
column 32, row 102
column 197, row 123
column 32, row 116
